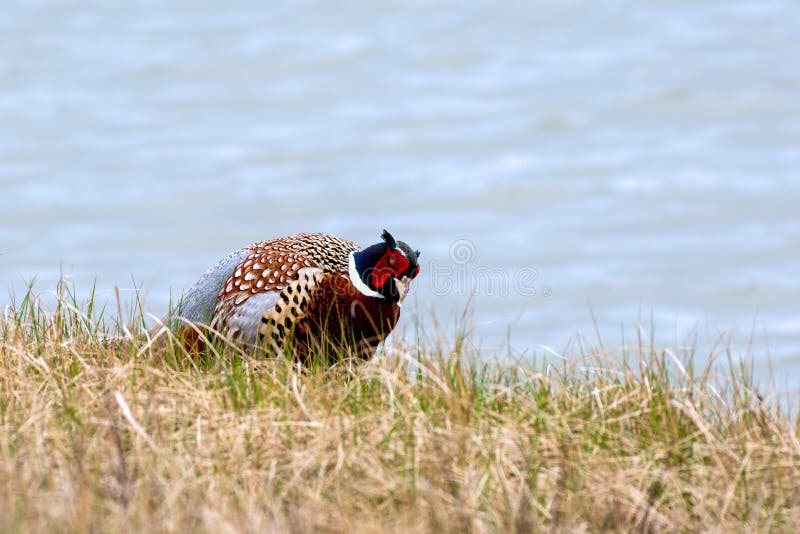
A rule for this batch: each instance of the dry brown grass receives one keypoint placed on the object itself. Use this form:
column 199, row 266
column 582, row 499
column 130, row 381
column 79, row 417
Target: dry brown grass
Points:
column 108, row 437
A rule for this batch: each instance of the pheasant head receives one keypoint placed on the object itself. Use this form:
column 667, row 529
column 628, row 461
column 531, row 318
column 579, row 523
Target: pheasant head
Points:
column 384, row 270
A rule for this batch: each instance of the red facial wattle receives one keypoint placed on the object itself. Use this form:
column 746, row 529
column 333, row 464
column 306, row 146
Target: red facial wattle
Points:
column 393, row 263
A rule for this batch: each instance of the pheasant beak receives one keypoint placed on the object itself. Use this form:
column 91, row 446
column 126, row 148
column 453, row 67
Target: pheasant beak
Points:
column 402, row 285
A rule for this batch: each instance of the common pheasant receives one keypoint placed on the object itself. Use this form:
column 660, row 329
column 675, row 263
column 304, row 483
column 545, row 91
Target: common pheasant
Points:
column 302, row 295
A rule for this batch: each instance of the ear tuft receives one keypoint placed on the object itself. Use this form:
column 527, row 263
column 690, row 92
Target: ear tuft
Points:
column 417, row 253
column 386, row 236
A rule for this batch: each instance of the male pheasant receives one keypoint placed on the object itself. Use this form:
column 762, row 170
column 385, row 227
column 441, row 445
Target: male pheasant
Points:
column 302, row 295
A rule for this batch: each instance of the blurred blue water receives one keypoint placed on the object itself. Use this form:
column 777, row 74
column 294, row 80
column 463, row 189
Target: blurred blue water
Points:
column 639, row 156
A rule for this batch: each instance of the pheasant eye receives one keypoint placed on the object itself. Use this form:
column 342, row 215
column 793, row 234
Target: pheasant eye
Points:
column 392, row 261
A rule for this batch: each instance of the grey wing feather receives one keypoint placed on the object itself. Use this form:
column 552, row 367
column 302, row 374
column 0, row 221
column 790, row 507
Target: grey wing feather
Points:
column 197, row 303
column 245, row 320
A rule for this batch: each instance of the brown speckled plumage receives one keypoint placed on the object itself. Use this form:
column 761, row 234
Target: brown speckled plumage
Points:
column 323, row 312
column 271, row 266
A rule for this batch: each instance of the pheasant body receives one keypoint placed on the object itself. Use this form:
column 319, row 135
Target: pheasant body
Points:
column 303, row 294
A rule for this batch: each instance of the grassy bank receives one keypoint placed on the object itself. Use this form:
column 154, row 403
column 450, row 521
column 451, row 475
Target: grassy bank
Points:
column 127, row 436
